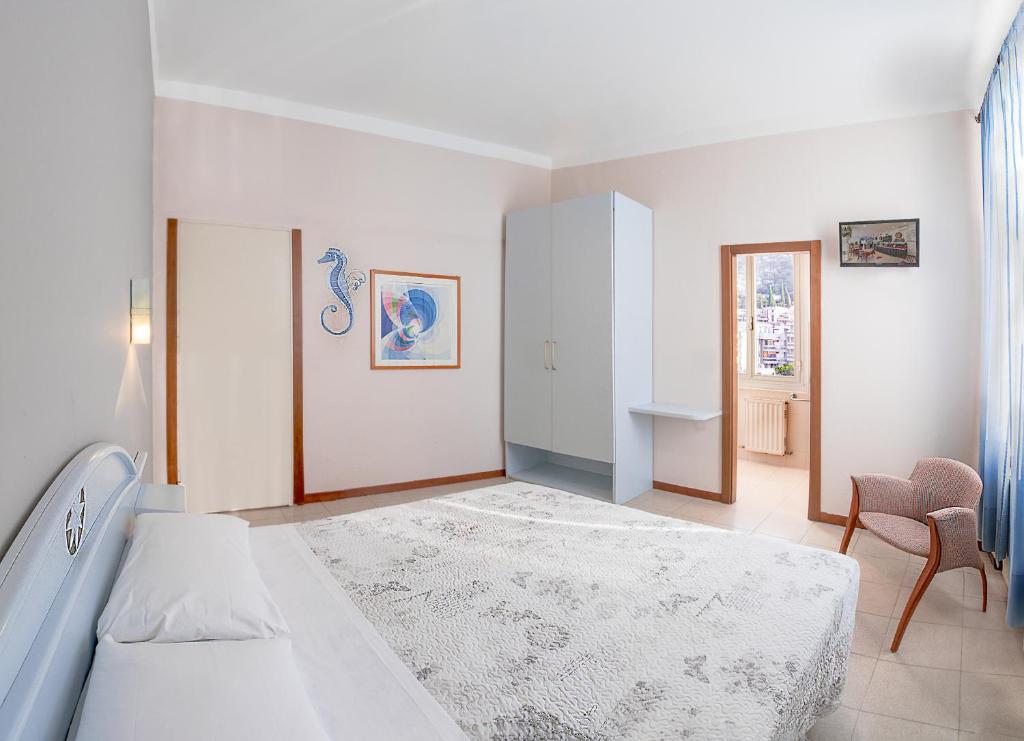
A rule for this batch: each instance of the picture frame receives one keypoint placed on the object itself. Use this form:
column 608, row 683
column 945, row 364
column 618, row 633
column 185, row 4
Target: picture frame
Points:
column 888, row 243
column 415, row 320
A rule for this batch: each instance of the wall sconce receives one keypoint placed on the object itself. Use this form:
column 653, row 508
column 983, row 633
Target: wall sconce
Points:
column 141, row 309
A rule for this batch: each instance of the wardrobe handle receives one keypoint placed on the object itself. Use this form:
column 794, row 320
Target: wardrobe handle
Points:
column 547, row 354
column 554, row 346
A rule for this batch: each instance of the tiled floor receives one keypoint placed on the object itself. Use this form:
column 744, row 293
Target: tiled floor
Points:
column 959, row 674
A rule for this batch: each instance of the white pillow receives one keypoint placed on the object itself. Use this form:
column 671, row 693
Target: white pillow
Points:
column 223, row 690
column 189, row 578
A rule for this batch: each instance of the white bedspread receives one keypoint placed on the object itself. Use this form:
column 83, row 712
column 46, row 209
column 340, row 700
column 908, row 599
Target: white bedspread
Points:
column 530, row 613
column 359, row 688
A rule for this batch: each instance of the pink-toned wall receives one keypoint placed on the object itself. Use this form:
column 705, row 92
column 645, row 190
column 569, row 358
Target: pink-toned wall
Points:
column 899, row 347
column 390, row 205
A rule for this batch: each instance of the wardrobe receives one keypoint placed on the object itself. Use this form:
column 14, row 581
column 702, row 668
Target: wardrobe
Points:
column 578, row 346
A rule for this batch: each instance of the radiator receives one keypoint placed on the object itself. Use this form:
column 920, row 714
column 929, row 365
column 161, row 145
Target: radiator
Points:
column 765, row 426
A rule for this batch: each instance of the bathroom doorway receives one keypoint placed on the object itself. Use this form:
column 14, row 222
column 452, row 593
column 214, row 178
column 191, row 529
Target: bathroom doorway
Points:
column 771, row 336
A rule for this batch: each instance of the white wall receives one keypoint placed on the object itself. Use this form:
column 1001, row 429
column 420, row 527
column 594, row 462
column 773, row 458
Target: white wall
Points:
column 391, row 205
column 76, row 209
column 899, row 347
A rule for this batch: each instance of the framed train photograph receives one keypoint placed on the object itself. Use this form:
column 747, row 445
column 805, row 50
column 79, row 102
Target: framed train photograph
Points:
column 880, row 244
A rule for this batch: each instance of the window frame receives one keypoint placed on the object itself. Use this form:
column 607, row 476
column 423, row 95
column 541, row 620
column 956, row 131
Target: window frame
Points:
column 749, row 378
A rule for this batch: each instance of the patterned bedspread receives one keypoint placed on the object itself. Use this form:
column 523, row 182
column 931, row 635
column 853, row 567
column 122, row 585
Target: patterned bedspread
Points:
column 531, row 613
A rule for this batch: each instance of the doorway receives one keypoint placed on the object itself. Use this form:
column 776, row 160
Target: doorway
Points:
column 234, row 413
column 771, row 380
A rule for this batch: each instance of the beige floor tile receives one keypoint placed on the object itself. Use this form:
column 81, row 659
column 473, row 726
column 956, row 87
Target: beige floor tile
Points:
column 872, row 727
column 945, row 608
column 859, row 671
column 993, row 652
column 877, row 599
column 992, row 619
column 262, row 513
column 837, row 726
column 794, row 504
column 986, row 736
column 880, row 570
column 870, row 545
column 823, row 535
column 868, row 633
column 771, row 497
column 925, row 644
column 996, row 585
column 268, row 523
column 662, row 502
column 258, row 517
column 644, row 501
column 345, row 506
column 948, row 581
column 992, row 704
column 701, row 510
column 914, row 693
column 743, row 516
column 306, row 512
column 973, row 602
column 786, row 526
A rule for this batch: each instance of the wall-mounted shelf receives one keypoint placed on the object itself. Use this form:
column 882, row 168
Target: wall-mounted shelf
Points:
column 678, row 411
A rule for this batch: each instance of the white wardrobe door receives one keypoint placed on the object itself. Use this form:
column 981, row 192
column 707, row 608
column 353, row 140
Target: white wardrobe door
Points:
column 528, row 327
column 234, row 367
column 581, row 318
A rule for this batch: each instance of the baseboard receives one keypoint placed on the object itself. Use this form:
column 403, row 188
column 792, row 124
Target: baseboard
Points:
column 831, row 519
column 688, row 491
column 826, row 517
column 362, row 491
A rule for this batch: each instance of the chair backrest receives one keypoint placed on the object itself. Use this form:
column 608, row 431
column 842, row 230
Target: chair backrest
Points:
column 943, row 482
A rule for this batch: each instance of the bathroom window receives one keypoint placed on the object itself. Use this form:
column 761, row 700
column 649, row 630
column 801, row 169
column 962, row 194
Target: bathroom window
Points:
column 768, row 320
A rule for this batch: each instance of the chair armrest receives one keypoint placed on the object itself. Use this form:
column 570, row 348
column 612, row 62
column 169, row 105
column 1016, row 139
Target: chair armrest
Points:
column 957, row 530
column 890, row 495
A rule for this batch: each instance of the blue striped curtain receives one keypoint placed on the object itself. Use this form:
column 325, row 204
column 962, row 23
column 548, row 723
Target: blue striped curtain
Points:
column 1001, row 521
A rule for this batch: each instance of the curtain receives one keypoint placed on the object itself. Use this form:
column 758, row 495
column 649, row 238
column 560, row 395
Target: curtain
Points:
column 1001, row 514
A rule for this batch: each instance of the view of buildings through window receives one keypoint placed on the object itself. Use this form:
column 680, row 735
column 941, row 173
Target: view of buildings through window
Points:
column 766, row 315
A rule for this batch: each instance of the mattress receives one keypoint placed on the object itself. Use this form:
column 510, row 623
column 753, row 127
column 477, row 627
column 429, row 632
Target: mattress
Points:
column 531, row 613
column 358, row 686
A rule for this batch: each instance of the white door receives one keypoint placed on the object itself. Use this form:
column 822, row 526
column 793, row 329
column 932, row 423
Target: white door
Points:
column 234, row 367
column 528, row 327
column 581, row 318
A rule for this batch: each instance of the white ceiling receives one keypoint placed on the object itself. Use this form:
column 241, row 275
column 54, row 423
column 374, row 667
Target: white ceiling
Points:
column 574, row 81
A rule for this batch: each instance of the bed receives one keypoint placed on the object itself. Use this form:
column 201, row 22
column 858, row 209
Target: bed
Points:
column 531, row 613
column 512, row 611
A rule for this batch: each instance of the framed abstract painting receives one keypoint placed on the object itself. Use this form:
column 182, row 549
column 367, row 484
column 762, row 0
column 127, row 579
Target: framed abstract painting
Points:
column 415, row 320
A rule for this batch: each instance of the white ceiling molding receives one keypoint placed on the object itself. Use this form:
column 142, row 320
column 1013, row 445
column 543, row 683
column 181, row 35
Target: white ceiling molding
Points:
column 254, row 103
column 561, row 84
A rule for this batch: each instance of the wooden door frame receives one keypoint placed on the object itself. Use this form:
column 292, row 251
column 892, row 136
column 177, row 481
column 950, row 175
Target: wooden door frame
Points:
column 729, row 370
column 171, row 344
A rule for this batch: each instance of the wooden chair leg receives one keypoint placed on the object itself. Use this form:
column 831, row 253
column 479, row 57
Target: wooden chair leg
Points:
column 915, row 596
column 931, row 567
column 851, row 522
column 984, row 589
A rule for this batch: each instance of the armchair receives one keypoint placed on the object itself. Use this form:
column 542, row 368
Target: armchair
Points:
column 930, row 515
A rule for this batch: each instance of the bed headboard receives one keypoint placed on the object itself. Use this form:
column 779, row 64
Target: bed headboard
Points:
column 54, row 582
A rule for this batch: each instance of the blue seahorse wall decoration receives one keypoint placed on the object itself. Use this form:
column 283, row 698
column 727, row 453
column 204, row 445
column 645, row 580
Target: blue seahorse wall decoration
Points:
column 343, row 283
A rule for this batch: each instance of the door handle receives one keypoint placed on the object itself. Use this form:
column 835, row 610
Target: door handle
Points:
column 547, row 354
column 554, row 346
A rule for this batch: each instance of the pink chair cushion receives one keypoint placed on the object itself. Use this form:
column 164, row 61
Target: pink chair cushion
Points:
column 904, row 533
